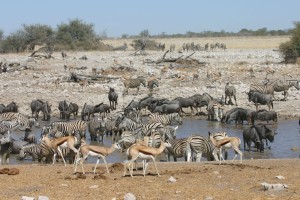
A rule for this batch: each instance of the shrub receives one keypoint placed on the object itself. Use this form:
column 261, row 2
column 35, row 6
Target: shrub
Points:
column 291, row 50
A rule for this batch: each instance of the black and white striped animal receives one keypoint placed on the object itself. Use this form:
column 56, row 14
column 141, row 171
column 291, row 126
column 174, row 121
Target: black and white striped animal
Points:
column 33, row 150
column 198, row 146
column 214, row 110
column 165, row 119
column 6, row 145
column 29, row 136
column 133, row 83
column 177, row 149
column 262, row 88
column 113, row 98
column 283, row 85
column 69, row 128
column 230, row 91
column 24, row 121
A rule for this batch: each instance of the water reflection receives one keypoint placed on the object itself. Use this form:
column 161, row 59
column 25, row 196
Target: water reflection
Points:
column 287, row 138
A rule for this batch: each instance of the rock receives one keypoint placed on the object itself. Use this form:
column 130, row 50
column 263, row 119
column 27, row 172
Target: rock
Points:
column 172, row 179
column 278, row 186
column 94, row 186
column 280, row 177
column 43, row 198
column 27, row 198
column 129, row 196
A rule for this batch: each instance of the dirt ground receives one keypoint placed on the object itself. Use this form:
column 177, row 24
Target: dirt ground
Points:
column 205, row 180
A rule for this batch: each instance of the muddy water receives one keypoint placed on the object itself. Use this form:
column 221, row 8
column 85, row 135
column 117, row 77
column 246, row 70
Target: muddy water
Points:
column 285, row 145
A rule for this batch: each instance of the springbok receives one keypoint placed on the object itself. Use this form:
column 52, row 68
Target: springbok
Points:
column 227, row 143
column 144, row 153
column 96, row 151
column 58, row 143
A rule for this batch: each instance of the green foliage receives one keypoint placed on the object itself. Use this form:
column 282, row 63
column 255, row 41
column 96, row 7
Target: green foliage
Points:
column 138, row 44
column 76, row 35
column 291, row 50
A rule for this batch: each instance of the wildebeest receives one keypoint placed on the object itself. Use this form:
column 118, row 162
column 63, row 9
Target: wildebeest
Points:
column 63, row 107
column 88, row 110
column 263, row 99
column 2, row 106
column 113, row 98
column 12, row 107
column 73, row 109
column 264, row 115
column 165, row 108
column 133, row 105
column 262, row 131
column 239, row 115
column 201, row 100
column 185, row 103
column 37, row 106
column 102, row 108
column 230, row 91
column 96, row 129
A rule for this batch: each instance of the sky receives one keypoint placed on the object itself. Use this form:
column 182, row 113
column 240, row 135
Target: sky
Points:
column 118, row 17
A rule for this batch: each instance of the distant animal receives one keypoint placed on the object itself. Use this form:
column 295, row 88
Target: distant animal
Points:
column 264, row 115
column 230, row 91
column 39, row 105
column 263, row 99
column 5, row 147
column 73, row 109
column 238, row 115
column 165, row 119
column 63, row 107
column 102, row 108
column 113, row 98
column 12, row 107
column 133, row 83
column 262, row 131
column 214, row 110
column 88, row 110
column 152, row 84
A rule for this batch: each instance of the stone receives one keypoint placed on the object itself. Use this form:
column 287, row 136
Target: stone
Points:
column 43, row 198
column 129, row 196
column 278, row 186
column 27, row 198
column 172, row 179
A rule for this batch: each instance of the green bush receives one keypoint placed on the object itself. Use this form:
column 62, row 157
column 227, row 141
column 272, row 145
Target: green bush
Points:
column 291, row 50
column 148, row 44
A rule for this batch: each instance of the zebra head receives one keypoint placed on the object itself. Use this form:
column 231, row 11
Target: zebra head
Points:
column 5, row 138
column 33, row 122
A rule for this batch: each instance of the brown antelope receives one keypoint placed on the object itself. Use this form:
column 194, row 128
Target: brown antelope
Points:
column 144, row 153
column 227, row 143
column 96, row 151
column 57, row 143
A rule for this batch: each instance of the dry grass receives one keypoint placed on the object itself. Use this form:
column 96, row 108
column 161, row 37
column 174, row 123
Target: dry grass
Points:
column 269, row 42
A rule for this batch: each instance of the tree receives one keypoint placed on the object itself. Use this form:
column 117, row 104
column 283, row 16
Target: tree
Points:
column 76, row 34
column 290, row 50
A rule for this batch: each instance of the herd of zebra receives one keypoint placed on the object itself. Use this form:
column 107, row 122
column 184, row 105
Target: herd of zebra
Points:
column 193, row 47
column 130, row 126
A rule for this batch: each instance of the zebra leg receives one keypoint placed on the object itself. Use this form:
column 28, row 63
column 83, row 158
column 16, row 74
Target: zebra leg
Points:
column 198, row 156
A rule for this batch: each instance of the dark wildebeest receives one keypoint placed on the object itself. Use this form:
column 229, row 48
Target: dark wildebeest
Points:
column 251, row 135
column 73, row 109
column 201, row 100
column 186, row 102
column 113, row 98
column 133, row 105
column 12, row 107
column 244, row 115
column 166, row 109
column 96, row 128
column 264, row 115
column 145, row 102
column 88, row 110
column 262, row 131
column 37, row 106
column 263, row 99
column 102, row 108
column 2, row 106
column 63, row 107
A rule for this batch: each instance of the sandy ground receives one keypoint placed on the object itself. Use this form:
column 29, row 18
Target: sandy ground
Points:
column 206, row 180
column 194, row 180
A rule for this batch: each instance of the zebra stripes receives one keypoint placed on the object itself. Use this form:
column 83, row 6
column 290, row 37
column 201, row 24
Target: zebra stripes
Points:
column 177, row 149
column 214, row 110
column 230, row 91
column 33, row 150
column 69, row 128
column 263, row 89
column 199, row 146
column 165, row 119
column 23, row 120
column 133, row 83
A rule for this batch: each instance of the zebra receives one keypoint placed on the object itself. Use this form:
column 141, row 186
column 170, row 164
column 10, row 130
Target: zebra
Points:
column 128, row 138
column 133, row 83
column 69, row 128
column 200, row 145
column 46, row 153
column 172, row 47
column 165, row 119
column 113, row 98
column 23, row 120
column 29, row 137
column 151, row 84
column 229, row 92
column 284, row 85
column 214, row 110
column 8, row 125
column 262, row 88
column 6, row 145
column 33, row 150
column 177, row 149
